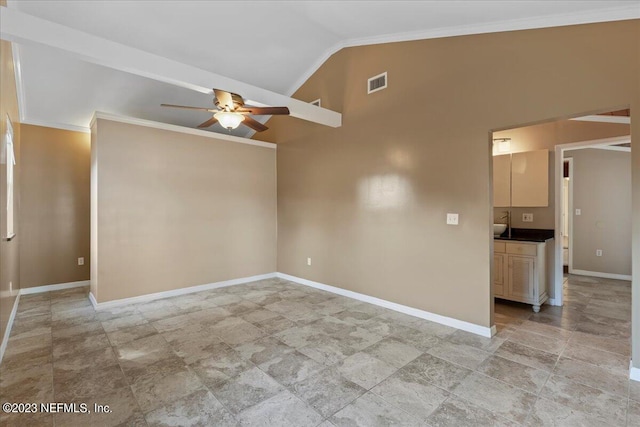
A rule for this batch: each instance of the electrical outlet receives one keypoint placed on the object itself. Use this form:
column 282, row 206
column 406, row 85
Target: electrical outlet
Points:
column 10, row 286
column 308, row 261
column 527, row 217
column 452, row 219
column 81, row 261
column 578, row 211
column 598, row 252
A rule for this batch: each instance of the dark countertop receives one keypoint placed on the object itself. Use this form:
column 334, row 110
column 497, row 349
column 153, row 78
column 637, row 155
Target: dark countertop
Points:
column 527, row 235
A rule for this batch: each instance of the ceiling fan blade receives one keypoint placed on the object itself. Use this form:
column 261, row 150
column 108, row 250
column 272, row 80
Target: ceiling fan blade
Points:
column 263, row 111
column 224, row 98
column 188, row 108
column 254, row 124
column 208, row 123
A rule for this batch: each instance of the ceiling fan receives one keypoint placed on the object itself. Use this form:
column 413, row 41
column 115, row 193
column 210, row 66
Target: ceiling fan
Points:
column 231, row 111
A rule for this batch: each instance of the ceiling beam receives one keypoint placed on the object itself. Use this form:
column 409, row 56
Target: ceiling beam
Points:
column 19, row 27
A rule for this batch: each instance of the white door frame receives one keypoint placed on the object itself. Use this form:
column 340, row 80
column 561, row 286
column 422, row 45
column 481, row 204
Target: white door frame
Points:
column 559, row 159
column 570, row 212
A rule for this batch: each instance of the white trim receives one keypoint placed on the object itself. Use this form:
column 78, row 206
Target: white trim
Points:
column 444, row 320
column 634, row 373
column 177, row 292
column 17, row 70
column 587, row 17
column 7, row 331
column 56, row 125
column 553, row 301
column 57, row 287
column 604, row 119
column 595, row 142
column 180, row 129
column 570, row 211
column 558, row 284
column 20, row 27
column 93, row 301
column 612, row 148
column 600, row 274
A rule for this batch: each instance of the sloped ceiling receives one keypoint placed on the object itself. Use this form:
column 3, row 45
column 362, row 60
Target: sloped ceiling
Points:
column 274, row 45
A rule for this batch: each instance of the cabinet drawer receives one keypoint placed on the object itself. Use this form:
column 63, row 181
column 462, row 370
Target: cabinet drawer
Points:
column 521, row 249
column 499, row 247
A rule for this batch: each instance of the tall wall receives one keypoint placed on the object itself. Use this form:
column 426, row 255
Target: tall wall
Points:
column 174, row 210
column 9, row 249
column 602, row 191
column 368, row 201
column 547, row 136
column 54, row 206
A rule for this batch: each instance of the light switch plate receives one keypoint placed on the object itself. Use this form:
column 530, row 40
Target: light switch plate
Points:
column 452, row 219
column 527, row 217
column 578, row 212
column 81, row 261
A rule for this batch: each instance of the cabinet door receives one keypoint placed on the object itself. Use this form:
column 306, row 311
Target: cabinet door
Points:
column 498, row 274
column 502, row 181
column 530, row 179
column 521, row 280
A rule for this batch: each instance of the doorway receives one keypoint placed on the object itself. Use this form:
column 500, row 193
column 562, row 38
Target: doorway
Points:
column 566, row 209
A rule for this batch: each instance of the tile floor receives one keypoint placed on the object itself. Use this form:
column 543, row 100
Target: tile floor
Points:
column 281, row 354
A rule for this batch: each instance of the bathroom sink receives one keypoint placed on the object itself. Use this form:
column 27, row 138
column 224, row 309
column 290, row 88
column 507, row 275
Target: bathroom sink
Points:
column 498, row 229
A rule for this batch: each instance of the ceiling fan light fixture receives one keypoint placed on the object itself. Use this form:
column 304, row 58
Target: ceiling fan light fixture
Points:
column 228, row 119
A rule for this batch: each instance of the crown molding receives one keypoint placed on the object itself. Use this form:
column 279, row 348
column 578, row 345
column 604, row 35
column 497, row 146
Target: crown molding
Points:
column 181, row 129
column 55, row 125
column 587, row 17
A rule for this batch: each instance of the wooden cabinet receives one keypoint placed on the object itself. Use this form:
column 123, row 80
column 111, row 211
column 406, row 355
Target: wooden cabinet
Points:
column 521, row 280
column 530, row 179
column 499, row 262
column 520, row 273
column 521, row 179
column 502, row 181
column 499, row 268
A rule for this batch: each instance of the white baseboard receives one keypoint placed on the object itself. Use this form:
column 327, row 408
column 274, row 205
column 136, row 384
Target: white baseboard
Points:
column 553, row 301
column 444, row 320
column 634, row 373
column 49, row 288
column 601, row 275
column 176, row 292
column 94, row 303
column 7, row 332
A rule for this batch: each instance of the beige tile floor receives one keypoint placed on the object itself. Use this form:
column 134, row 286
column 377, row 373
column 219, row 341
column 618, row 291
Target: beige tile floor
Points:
column 281, row 354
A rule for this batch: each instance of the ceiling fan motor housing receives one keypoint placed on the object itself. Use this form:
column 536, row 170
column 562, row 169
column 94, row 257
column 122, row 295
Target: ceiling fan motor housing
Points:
column 236, row 99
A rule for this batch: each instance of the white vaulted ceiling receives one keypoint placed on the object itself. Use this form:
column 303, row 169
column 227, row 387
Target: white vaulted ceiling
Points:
column 274, row 45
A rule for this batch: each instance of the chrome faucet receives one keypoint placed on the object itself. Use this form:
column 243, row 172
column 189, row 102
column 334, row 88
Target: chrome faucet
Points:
column 507, row 216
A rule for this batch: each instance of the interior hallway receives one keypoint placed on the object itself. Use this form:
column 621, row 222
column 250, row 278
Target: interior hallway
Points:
column 278, row 353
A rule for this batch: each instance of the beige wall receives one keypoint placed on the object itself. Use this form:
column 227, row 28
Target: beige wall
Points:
column 55, row 206
column 547, row 136
column 9, row 250
column 177, row 210
column 602, row 191
column 368, row 200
